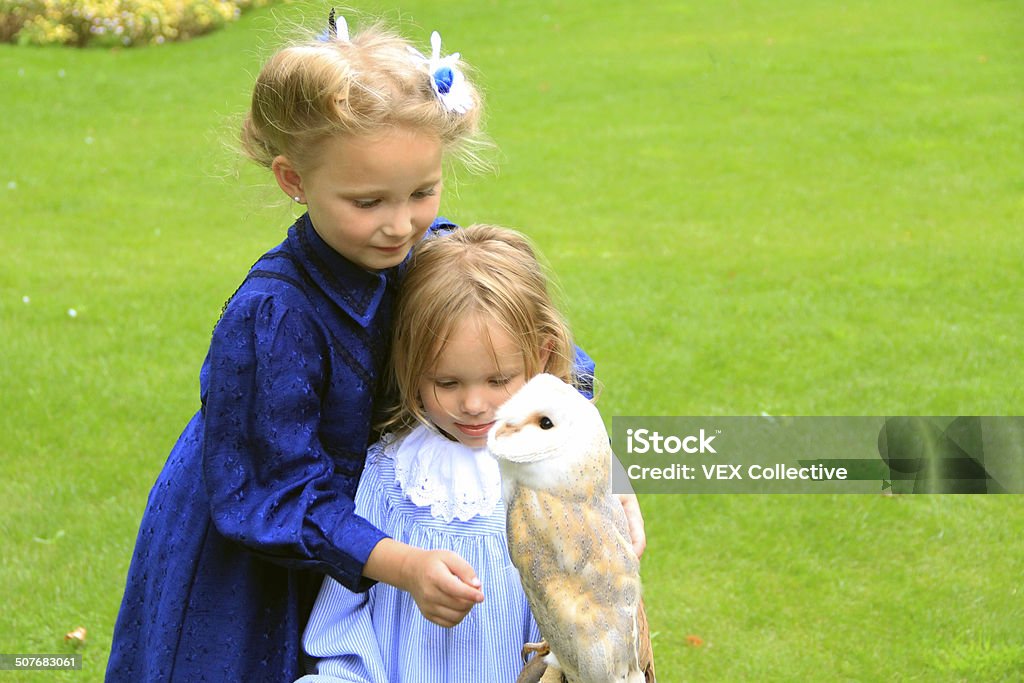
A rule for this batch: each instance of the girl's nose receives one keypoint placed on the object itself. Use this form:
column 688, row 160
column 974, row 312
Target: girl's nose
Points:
column 473, row 403
column 400, row 223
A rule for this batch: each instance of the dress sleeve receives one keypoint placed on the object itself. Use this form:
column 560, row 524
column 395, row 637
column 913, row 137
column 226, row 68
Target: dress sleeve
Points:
column 340, row 635
column 272, row 486
column 583, row 373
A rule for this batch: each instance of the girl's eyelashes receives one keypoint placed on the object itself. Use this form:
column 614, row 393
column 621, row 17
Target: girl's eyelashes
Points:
column 507, row 378
column 373, row 203
column 451, row 383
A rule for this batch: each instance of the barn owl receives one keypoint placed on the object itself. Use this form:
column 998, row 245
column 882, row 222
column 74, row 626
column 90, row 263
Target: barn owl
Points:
column 567, row 535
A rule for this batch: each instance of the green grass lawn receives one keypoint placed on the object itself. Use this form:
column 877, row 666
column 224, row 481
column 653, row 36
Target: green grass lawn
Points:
column 799, row 208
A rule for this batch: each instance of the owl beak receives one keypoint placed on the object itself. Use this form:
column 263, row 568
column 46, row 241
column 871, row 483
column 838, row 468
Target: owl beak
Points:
column 506, row 429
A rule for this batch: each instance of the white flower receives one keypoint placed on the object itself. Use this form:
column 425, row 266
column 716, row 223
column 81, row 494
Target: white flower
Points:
column 72, row 312
column 445, row 76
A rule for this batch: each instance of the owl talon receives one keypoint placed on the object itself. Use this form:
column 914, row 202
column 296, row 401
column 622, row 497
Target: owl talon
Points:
column 540, row 649
column 535, row 670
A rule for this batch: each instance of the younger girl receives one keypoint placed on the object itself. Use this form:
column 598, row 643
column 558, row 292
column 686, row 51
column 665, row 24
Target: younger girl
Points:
column 255, row 503
column 474, row 322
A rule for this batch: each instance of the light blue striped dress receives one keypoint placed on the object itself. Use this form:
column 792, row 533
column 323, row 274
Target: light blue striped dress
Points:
column 380, row 636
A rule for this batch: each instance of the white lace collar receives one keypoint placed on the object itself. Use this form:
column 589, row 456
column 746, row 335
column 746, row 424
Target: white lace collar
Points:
column 455, row 481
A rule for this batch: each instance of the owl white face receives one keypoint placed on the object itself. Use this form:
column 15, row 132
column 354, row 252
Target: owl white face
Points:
column 539, row 421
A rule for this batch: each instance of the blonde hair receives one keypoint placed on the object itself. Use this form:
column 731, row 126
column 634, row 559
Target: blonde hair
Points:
column 321, row 88
column 479, row 269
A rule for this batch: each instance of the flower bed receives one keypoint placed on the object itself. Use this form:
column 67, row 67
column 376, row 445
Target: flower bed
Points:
column 114, row 22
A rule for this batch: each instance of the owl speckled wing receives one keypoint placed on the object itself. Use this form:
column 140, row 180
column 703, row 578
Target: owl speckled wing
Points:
column 568, row 535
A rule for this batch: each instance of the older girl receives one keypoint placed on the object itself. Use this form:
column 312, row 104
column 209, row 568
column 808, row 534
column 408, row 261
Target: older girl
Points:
column 255, row 504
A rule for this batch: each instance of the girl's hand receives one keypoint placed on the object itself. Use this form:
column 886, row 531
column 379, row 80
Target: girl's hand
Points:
column 635, row 520
column 443, row 585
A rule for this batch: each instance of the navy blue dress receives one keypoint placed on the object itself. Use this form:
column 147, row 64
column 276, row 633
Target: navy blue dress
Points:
column 255, row 503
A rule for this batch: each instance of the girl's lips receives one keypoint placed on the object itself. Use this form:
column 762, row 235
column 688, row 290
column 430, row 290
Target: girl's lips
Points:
column 475, row 430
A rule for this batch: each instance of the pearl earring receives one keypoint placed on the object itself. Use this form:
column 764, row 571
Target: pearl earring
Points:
column 298, row 199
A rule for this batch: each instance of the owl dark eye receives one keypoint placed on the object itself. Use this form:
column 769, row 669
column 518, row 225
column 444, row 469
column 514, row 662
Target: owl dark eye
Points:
column 546, row 423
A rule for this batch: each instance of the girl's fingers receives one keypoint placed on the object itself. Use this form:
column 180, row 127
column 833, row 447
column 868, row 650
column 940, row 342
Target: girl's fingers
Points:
column 446, row 617
column 449, row 589
column 635, row 522
column 448, row 613
column 463, row 583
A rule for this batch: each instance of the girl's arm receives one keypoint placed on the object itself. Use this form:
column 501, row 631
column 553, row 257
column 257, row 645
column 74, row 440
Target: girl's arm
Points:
column 272, row 486
column 443, row 585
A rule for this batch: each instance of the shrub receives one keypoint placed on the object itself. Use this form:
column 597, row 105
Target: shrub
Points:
column 114, row 22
